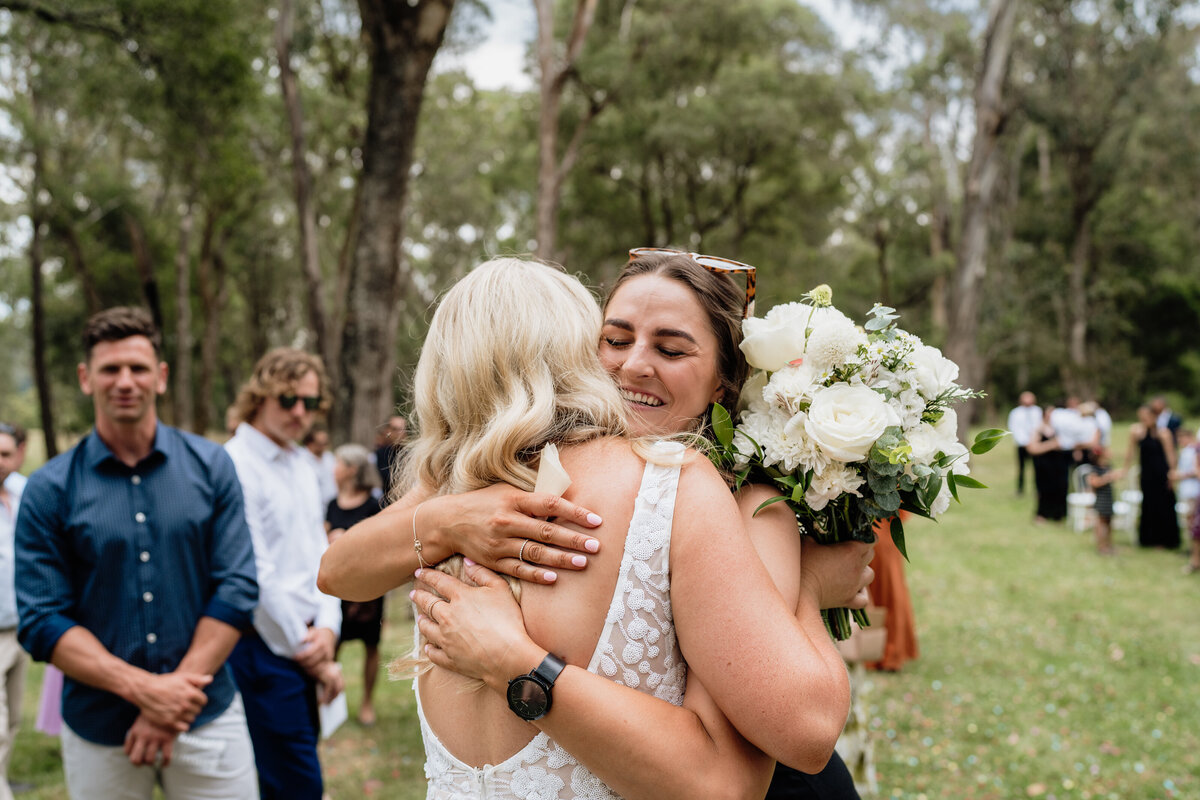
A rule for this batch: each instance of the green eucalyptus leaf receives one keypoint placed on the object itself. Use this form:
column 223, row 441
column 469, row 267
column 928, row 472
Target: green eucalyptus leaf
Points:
column 771, row 502
column 968, row 482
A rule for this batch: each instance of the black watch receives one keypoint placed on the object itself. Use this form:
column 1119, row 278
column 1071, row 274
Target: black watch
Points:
column 529, row 695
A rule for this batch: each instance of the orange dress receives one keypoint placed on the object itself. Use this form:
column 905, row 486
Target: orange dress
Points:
column 890, row 591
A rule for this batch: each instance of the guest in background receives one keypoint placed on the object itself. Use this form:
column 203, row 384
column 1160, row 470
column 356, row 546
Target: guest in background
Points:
column 316, row 448
column 1105, row 423
column 1089, row 436
column 1022, row 421
column 357, row 479
column 285, row 664
column 13, row 661
column 1100, row 478
column 1050, row 467
column 1166, row 418
column 1155, row 449
column 135, row 575
column 889, row 589
column 1187, row 489
column 389, row 452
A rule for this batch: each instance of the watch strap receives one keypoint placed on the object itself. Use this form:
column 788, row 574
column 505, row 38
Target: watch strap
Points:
column 549, row 670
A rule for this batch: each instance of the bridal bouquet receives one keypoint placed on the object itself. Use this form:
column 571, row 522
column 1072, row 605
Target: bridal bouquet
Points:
column 851, row 424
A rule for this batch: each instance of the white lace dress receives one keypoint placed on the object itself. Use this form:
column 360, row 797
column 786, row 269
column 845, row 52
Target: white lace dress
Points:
column 637, row 648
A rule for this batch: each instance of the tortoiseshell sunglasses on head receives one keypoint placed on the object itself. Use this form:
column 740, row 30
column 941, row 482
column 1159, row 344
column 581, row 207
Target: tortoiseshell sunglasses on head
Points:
column 721, row 266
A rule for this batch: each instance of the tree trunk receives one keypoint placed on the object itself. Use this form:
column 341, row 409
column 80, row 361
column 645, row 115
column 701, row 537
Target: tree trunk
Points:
column 551, row 171
column 984, row 168
column 182, row 368
column 939, row 232
column 91, row 294
column 404, row 38
column 40, row 371
column 302, row 187
column 145, row 268
column 1077, row 308
column 211, row 286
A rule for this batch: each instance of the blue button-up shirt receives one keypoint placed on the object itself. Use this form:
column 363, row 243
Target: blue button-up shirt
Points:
column 136, row 555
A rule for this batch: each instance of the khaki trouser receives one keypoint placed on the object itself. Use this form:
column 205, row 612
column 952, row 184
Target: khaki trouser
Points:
column 212, row 762
column 13, row 663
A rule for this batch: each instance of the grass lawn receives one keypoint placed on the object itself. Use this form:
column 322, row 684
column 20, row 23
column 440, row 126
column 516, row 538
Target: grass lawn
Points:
column 1045, row 671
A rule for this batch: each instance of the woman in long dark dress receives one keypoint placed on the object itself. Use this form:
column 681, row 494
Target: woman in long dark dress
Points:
column 1050, row 469
column 1158, row 525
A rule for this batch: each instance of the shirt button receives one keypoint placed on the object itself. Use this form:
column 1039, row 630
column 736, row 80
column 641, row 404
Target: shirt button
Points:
column 140, row 517
column 145, row 556
column 137, row 480
column 148, row 596
column 151, row 637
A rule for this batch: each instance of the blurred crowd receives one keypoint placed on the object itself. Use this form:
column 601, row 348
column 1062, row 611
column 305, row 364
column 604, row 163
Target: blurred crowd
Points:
column 1154, row 490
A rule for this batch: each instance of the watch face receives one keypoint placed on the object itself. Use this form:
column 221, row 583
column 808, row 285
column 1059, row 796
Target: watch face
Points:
column 527, row 698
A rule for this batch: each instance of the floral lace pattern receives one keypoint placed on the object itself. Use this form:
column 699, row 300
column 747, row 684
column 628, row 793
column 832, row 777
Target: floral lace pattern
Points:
column 637, row 648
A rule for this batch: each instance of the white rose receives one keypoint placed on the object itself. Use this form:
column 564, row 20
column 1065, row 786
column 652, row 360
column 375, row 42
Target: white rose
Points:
column 933, row 372
column 771, row 342
column 925, row 444
column 941, row 502
column 845, row 420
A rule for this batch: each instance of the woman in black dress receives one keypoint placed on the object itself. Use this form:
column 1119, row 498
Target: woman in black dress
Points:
column 357, row 477
column 1158, row 525
column 1051, row 465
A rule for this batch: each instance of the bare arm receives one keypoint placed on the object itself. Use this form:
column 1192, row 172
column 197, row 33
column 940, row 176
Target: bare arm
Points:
column 489, row 525
column 642, row 747
column 480, row 633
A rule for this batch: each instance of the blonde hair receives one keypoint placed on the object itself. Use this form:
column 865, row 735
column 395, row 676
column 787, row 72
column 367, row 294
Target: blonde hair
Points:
column 509, row 365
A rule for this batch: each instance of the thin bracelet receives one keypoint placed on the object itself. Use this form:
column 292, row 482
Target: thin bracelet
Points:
column 416, row 541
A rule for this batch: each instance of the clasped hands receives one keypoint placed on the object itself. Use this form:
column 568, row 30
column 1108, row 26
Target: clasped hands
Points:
column 315, row 656
column 169, row 704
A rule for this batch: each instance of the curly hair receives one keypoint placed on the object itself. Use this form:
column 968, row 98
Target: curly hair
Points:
column 274, row 375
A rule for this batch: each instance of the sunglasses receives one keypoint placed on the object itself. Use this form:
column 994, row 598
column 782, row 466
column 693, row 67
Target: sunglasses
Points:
column 311, row 403
column 716, row 264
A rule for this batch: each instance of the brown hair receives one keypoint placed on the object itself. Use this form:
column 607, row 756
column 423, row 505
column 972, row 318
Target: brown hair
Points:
column 117, row 323
column 274, row 375
column 722, row 300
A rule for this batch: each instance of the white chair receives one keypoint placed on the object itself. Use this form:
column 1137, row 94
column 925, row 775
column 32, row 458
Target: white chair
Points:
column 1080, row 500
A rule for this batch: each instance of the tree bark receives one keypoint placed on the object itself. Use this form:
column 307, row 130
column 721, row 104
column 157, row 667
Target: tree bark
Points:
column 982, row 173
column 306, row 213
column 404, row 38
column 145, row 268
column 211, row 286
column 552, row 171
column 181, row 370
column 40, row 370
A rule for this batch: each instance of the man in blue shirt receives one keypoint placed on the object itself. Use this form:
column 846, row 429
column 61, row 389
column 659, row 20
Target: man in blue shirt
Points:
column 135, row 577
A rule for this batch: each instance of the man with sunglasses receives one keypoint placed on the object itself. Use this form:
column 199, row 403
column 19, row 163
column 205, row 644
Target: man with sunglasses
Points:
column 285, row 665
column 135, row 576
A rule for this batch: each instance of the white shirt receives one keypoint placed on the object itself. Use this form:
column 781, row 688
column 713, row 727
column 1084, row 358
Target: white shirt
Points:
column 323, row 467
column 1023, row 421
column 287, row 527
column 1068, row 427
column 8, row 529
column 1104, row 420
column 1189, row 487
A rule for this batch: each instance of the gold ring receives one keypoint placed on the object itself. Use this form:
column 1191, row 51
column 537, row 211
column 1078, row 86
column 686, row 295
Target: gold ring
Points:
column 429, row 613
column 521, row 553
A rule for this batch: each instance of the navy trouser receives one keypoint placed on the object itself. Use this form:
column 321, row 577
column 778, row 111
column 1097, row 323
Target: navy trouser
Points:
column 281, row 712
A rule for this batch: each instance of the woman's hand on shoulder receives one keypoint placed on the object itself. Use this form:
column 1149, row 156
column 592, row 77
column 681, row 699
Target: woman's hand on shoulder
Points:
column 510, row 531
